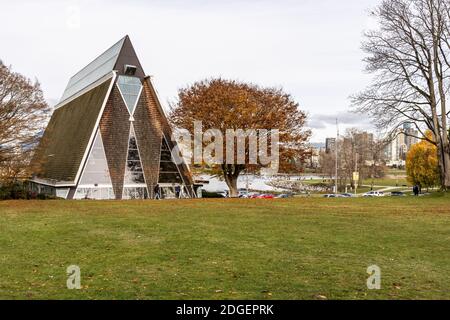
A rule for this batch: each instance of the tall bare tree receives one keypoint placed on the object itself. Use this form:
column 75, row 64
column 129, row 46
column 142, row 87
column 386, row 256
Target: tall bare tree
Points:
column 23, row 112
column 409, row 57
column 327, row 164
column 358, row 151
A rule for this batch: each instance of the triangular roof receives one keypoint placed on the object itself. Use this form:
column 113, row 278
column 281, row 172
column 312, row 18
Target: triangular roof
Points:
column 112, row 59
column 68, row 135
column 92, row 103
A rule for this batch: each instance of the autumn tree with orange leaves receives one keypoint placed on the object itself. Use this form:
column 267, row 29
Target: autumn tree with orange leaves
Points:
column 231, row 105
column 23, row 115
column 422, row 164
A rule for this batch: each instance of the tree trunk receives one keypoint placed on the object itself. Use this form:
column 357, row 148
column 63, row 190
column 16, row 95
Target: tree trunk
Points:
column 231, row 175
column 231, row 181
column 444, row 166
column 445, row 174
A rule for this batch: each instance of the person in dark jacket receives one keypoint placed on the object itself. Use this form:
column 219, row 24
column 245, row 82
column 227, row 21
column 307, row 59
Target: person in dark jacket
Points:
column 156, row 191
column 177, row 191
column 416, row 190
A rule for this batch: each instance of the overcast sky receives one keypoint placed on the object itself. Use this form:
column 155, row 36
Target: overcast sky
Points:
column 311, row 48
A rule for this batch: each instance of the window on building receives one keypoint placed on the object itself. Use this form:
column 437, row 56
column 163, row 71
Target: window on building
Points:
column 94, row 193
column 168, row 171
column 134, row 174
column 62, row 192
column 131, row 193
column 95, row 182
column 96, row 171
column 130, row 88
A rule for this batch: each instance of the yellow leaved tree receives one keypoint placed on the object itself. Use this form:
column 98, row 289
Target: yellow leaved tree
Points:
column 422, row 166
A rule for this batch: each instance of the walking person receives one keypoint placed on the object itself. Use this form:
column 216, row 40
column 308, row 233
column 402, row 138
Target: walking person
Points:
column 177, row 191
column 156, row 191
column 416, row 190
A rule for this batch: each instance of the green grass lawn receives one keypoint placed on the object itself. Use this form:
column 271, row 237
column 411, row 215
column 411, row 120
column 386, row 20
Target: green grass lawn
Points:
column 384, row 182
column 387, row 182
column 226, row 249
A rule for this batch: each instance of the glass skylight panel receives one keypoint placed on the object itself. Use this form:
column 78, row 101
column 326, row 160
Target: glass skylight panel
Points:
column 130, row 87
column 98, row 68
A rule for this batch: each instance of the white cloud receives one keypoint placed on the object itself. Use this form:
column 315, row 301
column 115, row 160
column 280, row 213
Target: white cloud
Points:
column 325, row 124
column 311, row 48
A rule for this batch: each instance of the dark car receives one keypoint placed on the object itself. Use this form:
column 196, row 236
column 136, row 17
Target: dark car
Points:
column 347, row 195
column 397, row 194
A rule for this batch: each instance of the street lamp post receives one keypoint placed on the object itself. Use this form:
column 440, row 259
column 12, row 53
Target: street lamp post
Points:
column 336, row 151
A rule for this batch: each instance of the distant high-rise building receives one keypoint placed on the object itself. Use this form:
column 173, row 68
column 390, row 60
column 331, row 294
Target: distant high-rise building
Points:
column 330, row 145
column 315, row 149
column 395, row 152
column 364, row 143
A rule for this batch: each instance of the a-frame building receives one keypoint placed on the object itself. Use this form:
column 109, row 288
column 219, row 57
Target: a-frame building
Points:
column 109, row 138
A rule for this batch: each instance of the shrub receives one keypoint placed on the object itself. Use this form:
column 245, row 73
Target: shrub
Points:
column 12, row 192
column 18, row 191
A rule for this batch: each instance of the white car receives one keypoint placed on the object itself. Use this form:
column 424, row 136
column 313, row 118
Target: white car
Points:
column 374, row 194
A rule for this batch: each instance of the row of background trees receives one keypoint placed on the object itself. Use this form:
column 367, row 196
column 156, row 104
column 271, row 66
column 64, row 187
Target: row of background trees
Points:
column 358, row 151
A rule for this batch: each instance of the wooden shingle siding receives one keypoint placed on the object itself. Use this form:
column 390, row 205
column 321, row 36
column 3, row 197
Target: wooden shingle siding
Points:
column 115, row 130
column 147, row 126
column 66, row 138
column 155, row 110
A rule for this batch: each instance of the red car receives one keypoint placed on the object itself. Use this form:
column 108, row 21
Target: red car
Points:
column 266, row 196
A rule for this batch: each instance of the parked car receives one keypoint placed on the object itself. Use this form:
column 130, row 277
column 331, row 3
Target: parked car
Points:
column 249, row 195
column 206, row 194
column 372, row 194
column 243, row 193
column 266, row 196
column 224, row 194
column 332, row 195
column 284, row 196
column 397, row 194
column 347, row 195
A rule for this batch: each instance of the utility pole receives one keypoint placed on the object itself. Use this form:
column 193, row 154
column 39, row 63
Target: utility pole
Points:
column 336, row 150
column 247, row 184
column 356, row 181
